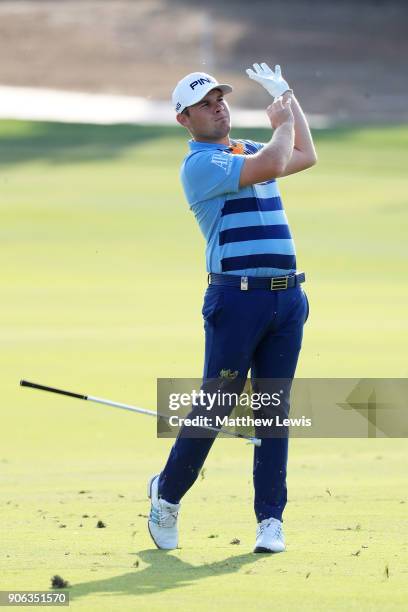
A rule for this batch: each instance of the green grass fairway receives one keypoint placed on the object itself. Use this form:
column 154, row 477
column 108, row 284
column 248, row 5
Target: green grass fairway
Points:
column 101, row 289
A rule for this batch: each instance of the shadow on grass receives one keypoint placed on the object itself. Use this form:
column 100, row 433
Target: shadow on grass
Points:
column 164, row 572
column 61, row 143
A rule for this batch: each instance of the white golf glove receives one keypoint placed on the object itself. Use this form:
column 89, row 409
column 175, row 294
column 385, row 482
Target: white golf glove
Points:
column 272, row 81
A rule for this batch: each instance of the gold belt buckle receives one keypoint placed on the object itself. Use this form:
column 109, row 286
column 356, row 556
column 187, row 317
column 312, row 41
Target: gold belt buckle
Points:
column 279, row 282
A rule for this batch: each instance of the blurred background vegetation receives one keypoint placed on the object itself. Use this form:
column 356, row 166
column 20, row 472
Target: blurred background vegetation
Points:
column 345, row 59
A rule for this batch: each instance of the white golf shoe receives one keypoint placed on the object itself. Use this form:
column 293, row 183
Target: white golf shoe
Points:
column 269, row 537
column 162, row 523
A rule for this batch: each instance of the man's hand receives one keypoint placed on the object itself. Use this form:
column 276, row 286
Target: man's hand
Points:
column 272, row 160
column 280, row 111
column 272, row 81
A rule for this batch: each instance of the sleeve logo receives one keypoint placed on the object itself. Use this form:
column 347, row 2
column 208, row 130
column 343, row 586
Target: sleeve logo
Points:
column 223, row 161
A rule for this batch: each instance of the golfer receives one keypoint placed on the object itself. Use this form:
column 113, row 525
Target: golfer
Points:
column 254, row 307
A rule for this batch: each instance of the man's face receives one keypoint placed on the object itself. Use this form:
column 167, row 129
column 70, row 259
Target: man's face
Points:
column 209, row 119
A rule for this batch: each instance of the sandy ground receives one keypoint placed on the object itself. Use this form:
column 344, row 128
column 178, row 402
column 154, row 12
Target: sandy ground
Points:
column 343, row 60
column 40, row 104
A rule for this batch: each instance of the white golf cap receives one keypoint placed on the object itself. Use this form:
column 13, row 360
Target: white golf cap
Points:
column 193, row 88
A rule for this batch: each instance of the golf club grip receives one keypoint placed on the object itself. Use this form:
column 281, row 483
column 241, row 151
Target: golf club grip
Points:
column 26, row 383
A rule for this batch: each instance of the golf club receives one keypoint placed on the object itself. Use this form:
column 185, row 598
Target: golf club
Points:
column 107, row 402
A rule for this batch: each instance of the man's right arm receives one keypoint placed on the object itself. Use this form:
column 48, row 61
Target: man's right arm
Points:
column 271, row 161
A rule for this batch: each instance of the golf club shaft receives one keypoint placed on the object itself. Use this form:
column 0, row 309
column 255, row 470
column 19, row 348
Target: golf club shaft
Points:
column 107, row 402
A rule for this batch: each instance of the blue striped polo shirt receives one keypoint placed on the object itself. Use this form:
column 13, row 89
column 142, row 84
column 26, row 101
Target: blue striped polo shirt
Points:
column 246, row 229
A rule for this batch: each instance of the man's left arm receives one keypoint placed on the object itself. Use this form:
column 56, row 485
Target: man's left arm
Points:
column 304, row 153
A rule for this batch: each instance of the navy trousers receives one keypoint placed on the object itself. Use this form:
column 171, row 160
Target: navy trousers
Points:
column 258, row 330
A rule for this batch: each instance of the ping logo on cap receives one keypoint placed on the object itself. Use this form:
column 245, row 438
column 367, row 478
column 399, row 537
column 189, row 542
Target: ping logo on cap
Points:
column 201, row 81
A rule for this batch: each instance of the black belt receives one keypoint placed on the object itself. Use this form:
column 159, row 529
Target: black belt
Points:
column 274, row 283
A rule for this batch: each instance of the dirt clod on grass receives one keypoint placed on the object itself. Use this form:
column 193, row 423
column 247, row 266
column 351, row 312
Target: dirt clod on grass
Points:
column 57, row 582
